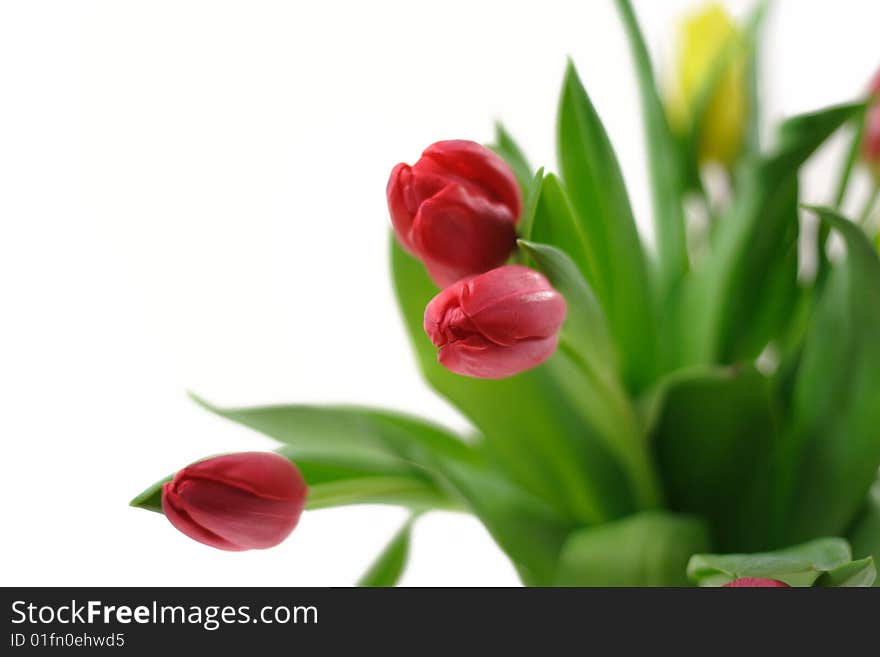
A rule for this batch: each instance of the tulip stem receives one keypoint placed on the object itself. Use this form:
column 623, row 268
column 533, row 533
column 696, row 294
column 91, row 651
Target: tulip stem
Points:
column 852, row 155
column 870, row 202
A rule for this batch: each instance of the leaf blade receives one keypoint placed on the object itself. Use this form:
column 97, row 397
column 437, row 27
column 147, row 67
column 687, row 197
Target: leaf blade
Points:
column 505, row 146
column 598, row 194
column 388, row 567
column 800, row 565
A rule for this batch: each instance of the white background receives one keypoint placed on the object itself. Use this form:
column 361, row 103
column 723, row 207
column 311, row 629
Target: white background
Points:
column 192, row 197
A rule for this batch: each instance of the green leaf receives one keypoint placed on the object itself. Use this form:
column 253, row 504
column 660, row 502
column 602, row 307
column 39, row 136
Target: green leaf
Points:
column 510, row 152
column 832, row 451
column 797, row 566
column 334, row 482
column 389, row 566
column 719, row 302
column 532, row 198
column 151, row 498
column 715, row 431
column 531, row 429
column 667, row 177
column 853, row 151
column 648, row 549
column 350, row 431
column 556, row 224
column 865, row 533
column 593, row 383
column 598, row 195
column 855, row 573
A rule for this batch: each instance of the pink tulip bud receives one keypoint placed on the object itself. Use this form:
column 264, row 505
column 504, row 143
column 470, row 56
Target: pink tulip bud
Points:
column 245, row 501
column 871, row 144
column 756, row 582
column 496, row 324
column 456, row 209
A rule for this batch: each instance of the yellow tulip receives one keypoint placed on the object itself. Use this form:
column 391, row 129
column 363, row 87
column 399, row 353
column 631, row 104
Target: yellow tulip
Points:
column 704, row 36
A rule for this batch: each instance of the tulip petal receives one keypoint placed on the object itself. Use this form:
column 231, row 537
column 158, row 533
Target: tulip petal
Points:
column 534, row 315
column 513, row 303
column 458, row 233
column 396, row 192
column 172, row 508
column 242, row 519
column 479, row 358
column 456, row 209
column 475, row 164
column 264, row 474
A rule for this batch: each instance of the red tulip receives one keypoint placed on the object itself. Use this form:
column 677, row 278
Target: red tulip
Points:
column 456, row 209
column 756, row 582
column 871, row 144
column 496, row 324
column 245, row 501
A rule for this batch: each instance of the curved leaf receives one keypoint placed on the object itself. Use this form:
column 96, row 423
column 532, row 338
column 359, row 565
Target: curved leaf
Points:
column 532, row 199
column 349, row 431
column 800, row 565
column 510, row 152
column 855, row 573
column 556, row 224
column 390, row 564
column 598, row 194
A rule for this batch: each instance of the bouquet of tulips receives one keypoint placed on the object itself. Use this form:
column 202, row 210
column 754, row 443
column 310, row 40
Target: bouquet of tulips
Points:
column 704, row 412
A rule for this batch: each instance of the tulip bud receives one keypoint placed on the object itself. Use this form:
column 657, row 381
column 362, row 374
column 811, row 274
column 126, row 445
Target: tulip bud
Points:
column 245, row 501
column 456, row 209
column 496, row 324
column 871, row 144
column 756, row 582
column 704, row 36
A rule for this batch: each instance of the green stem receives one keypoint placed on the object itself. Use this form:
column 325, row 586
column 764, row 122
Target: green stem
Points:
column 852, row 155
column 870, row 202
